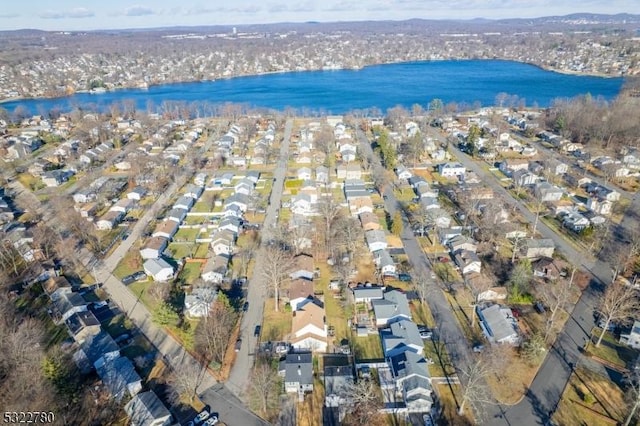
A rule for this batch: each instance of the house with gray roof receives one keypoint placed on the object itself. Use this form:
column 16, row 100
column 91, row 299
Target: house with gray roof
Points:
column 498, row 324
column 83, row 324
column 384, row 262
column 338, row 387
column 401, row 336
column 376, row 240
column 119, row 377
column 413, row 381
column 193, row 191
column 537, row 248
column 96, row 349
column 367, row 293
column 67, row 303
column 146, row 409
column 198, row 303
column 176, row 215
column 184, row 203
column 158, row 269
column 393, row 307
column 298, row 375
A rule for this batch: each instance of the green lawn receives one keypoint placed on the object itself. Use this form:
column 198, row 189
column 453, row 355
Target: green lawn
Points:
column 118, row 325
column 202, row 207
column 275, row 325
column 178, row 251
column 186, row 234
column 129, row 264
column 201, row 251
column 190, row 273
column 139, row 290
column 611, row 350
column 368, row 347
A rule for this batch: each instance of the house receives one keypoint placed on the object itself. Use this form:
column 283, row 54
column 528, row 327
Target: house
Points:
column 429, row 203
column 451, row 169
column 298, row 375
column 198, row 303
column 119, row 377
column 309, row 328
column 300, row 293
column 557, row 167
column 158, row 269
column 55, row 178
column 85, row 195
column 82, row 325
column 176, row 215
column 304, row 173
column 632, row 338
column 376, row 240
column 338, row 386
column 403, row 173
column 468, row 262
column 245, row 187
column 166, row 229
column 215, row 269
column 537, row 248
column 393, row 306
column 193, row 191
column 240, row 200
column 445, row 234
column 524, row 178
column 574, row 221
column 96, row 350
column 303, row 267
column 146, row 409
column 416, row 181
column 123, row 206
column 600, row 205
column 67, row 303
column 401, row 336
column 231, row 224
column 498, row 324
column 322, row 174
column 425, row 190
column 546, row 268
column 439, row 217
column 232, row 211
column 303, row 158
column 412, row 381
column 547, row 192
column 200, row 179
column 369, row 221
column 184, row 203
column 222, row 242
column 367, row 293
column 492, row 294
column 384, row 262
column 349, row 171
column 301, row 204
column 109, row 220
column 154, row 247
column 360, row 205
column 511, row 165
column 461, row 242
column 309, row 188
column 137, row 193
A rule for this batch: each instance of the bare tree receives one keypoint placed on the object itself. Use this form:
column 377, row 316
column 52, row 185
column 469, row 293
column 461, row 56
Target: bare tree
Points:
column 632, row 382
column 618, row 303
column 264, row 386
column 349, row 234
column 186, row 379
column 365, row 402
column 329, row 211
column 276, row 269
column 555, row 296
column 159, row 292
column 475, row 392
column 213, row 332
column 45, row 239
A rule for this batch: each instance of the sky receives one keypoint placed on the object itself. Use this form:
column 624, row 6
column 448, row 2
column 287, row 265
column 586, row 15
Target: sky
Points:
column 70, row 15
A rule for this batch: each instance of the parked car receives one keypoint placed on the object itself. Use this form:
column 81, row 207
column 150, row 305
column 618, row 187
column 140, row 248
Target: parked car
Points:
column 140, row 275
column 245, row 307
column 256, row 331
column 539, row 307
column 238, row 345
column 128, row 280
column 426, row 334
column 213, row 420
column 478, row 348
column 404, row 277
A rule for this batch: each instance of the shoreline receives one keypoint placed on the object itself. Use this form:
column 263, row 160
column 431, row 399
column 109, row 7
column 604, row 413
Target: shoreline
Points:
column 149, row 86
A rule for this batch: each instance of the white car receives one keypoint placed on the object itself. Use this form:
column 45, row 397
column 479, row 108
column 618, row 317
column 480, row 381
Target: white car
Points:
column 211, row 420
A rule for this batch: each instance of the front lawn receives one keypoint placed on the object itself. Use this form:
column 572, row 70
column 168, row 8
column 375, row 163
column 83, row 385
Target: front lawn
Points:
column 275, row 325
column 590, row 399
column 130, row 263
column 611, row 350
column 139, row 290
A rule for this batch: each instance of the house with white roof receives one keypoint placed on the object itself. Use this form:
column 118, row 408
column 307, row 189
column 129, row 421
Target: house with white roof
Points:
column 451, row 169
column 197, row 304
column 158, row 269
column 498, row 324
column 376, row 240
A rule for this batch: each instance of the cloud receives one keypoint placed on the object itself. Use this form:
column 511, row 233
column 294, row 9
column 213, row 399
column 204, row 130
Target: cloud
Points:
column 78, row 12
column 8, row 15
column 138, row 10
column 307, row 6
column 277, row 8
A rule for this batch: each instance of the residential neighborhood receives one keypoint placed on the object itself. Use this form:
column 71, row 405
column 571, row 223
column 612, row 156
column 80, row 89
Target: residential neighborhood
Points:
column 310, row 262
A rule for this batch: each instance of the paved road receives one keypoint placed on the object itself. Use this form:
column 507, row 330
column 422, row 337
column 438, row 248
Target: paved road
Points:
column 545, row 391
column 257, row 292
column 447, row 326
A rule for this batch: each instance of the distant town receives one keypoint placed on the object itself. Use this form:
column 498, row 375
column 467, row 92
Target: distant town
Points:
column 48, row 64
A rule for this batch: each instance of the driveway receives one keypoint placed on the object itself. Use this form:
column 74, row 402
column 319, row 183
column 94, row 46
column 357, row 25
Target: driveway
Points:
column 257, row 292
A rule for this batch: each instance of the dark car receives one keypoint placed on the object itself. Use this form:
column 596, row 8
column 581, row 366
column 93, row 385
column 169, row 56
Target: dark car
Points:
column 256, row 332
column 128, row 279
column 139, row 276
column 539, row 307
column 238, row 345
column 404, row 277
column 245, row 307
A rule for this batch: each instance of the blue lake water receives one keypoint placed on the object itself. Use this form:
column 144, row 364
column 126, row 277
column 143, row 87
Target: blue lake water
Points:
column 380, row 86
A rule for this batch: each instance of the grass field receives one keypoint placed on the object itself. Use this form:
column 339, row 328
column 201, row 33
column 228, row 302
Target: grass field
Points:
column 190, row 272
column 275, row 325
column 611, row 350
column 590, row 399
column 129, row 264
column 368, row 347
column 449, row 397
column 139, row 289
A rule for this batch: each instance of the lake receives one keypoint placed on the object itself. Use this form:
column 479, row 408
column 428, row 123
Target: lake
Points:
column 336, row 92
